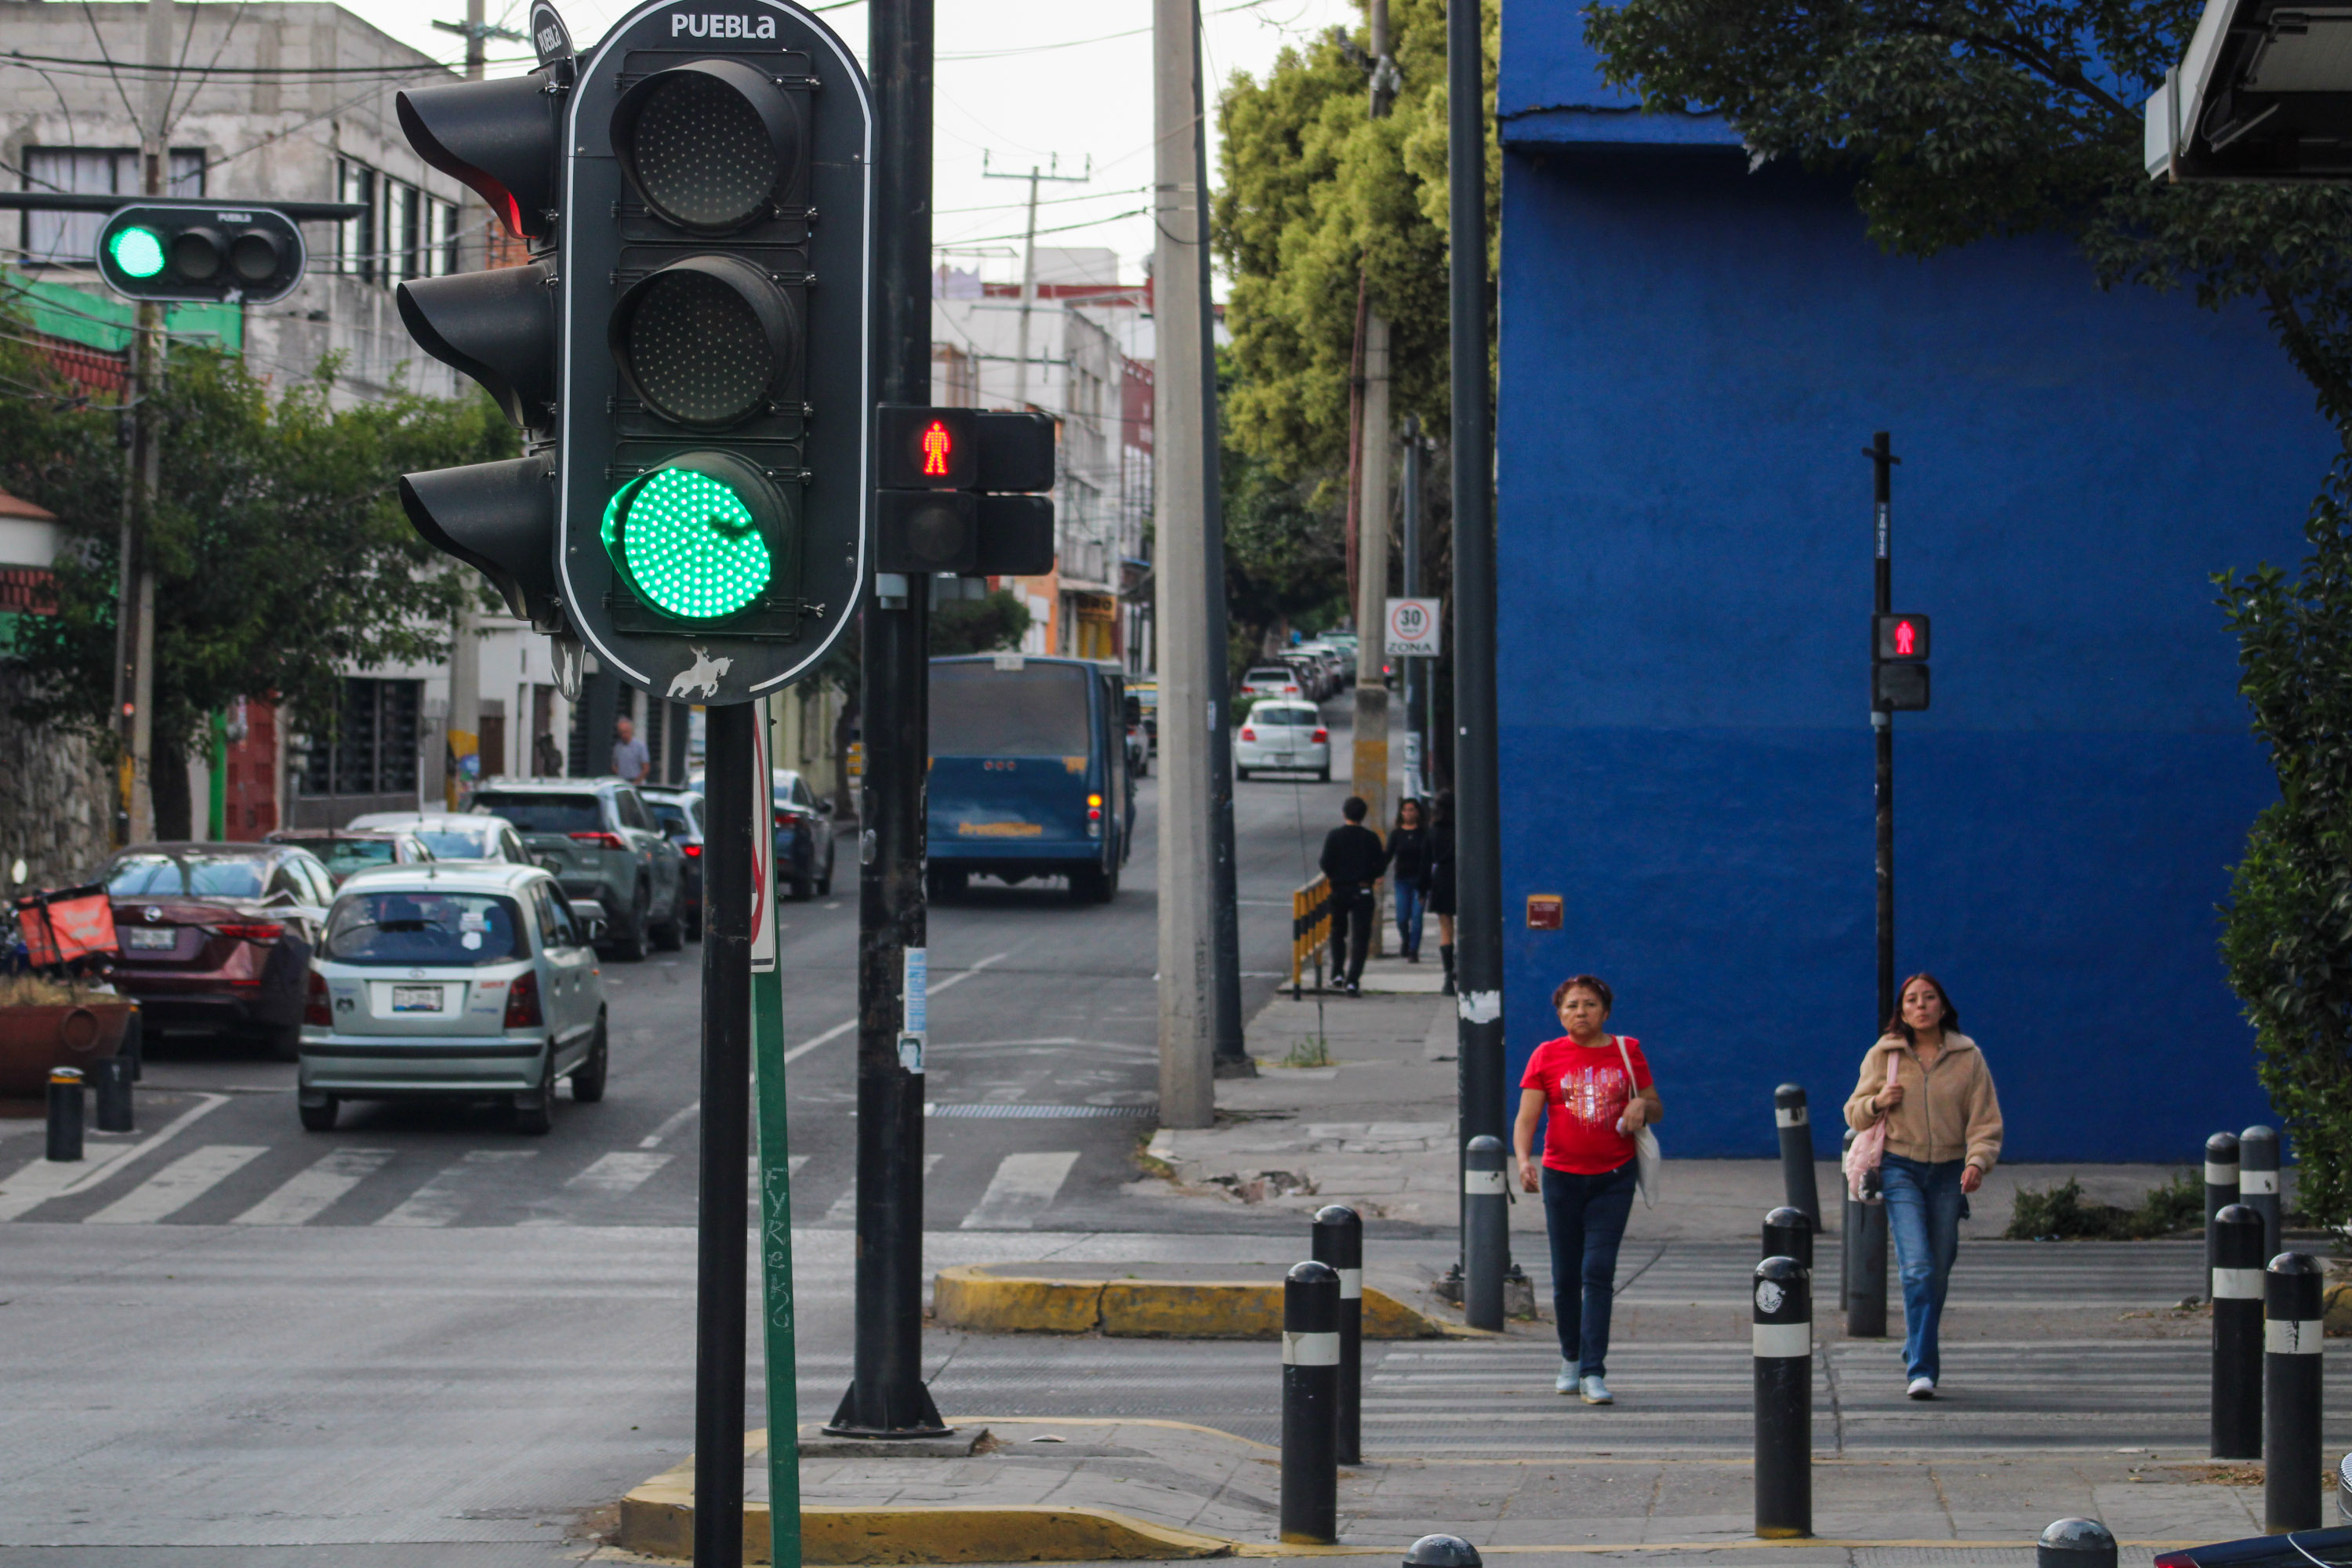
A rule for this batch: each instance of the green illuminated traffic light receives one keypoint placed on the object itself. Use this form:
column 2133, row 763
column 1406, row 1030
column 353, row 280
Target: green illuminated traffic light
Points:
column 137, row 252
column 690, row 542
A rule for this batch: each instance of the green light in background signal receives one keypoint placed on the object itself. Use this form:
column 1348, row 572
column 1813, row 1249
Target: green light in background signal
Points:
column 688, row 542
column 136, row 252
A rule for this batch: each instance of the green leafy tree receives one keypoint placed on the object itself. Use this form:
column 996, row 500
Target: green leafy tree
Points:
column 280, row 554
column 979, row 626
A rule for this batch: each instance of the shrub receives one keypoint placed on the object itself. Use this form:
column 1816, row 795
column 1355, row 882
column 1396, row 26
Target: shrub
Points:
column 2063, row 1214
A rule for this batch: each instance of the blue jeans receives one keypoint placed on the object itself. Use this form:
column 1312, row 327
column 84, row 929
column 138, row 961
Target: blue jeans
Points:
column 1410, row 901
column 1924, row 1203
column 1586, row 1218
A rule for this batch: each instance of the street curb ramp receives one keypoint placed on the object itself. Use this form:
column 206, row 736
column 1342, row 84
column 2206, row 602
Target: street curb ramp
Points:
column 976, row 1296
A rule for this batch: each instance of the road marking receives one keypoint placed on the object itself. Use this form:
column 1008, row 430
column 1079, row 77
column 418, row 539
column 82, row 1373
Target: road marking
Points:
column 312, row 1192
column 178, row 1184
column 38, row 1183
column 1023, row 1187
column 676, row 1120
column 441, row 1200
column 958, row 978
column 845, row 1208
column 617, row 1175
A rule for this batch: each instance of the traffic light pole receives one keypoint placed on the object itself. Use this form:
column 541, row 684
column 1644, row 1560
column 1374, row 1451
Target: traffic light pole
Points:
column 886, row 1397
column 1881, row 453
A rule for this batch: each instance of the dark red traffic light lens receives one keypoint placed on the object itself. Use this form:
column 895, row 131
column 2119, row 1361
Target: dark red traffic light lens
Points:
column 706, row 144
column 254, row 257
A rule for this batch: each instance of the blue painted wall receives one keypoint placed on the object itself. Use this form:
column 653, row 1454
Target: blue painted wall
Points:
column 1692, row 357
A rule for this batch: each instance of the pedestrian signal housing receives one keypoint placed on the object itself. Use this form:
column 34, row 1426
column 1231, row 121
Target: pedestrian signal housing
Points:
column 952, row 492
column 177, row 250
column 1898, row 663
column 1901, row 637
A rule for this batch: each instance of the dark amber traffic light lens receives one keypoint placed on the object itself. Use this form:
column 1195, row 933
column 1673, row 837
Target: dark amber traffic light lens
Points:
column 253, row 255
column 196, row 254
column 703, row 340
column 708, row 143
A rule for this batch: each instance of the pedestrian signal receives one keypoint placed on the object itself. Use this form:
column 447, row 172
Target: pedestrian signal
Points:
column 1899, row 637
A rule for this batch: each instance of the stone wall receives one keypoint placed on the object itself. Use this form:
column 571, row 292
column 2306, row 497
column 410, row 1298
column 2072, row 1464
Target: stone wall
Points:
column 55, row 797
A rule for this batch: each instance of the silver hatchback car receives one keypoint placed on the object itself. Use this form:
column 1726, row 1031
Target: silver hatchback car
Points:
column 454, row 981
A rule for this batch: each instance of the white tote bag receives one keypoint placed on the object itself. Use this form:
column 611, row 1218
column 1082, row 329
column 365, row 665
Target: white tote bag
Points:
column 1646, row 1158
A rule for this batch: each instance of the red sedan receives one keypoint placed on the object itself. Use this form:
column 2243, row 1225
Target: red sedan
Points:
column 215, row 939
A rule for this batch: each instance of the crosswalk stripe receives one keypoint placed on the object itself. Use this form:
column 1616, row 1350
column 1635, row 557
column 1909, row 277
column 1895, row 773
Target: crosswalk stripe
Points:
column 618, row 1173
column 443, row 1198
column 178, row 1184
column 845, row 1208
column 1023, row 1187
column 311, row 1192
column 39, row 1180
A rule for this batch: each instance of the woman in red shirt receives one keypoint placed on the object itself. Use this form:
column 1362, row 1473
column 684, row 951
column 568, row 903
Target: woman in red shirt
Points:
column 1593, row 1091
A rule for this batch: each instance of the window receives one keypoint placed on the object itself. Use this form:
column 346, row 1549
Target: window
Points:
column 422, row 927
column 404, row 233
column 631, row 809
column 70, row 239
column 201, row 876
column 977, row 710
column 368, row 746
column 537, row 813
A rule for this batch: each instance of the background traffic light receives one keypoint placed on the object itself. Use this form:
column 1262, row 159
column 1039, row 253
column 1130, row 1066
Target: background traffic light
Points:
column 1898, row 662
column 181, row 250
column 941, row 504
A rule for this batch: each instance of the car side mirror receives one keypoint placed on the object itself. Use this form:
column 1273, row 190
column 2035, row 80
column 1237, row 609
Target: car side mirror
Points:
column 588, row 915
column 823, row 806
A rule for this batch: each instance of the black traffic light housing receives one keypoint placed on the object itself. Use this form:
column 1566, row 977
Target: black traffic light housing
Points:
column 185, row 250
column 1898, row 663
column 946, row 497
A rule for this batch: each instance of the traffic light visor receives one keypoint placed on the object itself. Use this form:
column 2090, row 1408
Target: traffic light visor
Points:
column 707, row 143
column 703, row 340
column 691, row 537
column 137, row 252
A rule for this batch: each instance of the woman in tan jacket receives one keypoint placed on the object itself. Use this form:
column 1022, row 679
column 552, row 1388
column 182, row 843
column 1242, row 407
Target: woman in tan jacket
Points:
column 1943, row 1133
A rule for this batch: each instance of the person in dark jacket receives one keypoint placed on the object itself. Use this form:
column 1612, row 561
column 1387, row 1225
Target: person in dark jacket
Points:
column 1409, row 876
column 1353, row 858
column 1441, row 879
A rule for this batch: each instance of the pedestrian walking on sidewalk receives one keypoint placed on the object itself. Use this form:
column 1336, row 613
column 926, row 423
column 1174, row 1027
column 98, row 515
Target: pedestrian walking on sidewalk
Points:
column 1353, row 858
column 1592, row 1090
column 1943, row 1133
column 1409, row 876
column 1441, row 879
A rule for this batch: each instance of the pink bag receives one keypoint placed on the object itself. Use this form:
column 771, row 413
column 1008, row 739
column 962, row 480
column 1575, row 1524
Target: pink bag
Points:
column 1869, row 1145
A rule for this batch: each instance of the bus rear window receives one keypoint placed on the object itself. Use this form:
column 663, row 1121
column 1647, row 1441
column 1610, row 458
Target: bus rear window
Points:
column 1038, row 711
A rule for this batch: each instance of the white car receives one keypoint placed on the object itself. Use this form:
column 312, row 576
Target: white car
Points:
column 1283, row 736
column 451, row 837
column 1272, row 680
column 453, row 980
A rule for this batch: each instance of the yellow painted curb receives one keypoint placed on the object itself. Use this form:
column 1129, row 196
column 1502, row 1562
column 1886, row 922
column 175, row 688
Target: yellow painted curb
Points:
column 970, row 1296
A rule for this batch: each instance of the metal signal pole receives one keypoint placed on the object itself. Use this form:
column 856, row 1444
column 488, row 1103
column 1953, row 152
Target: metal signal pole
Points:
column 1881, row 453
column 886, row 1397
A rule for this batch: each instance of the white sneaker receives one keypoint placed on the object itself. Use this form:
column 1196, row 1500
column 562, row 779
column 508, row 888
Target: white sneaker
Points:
column 1922, row 1388
column 1592, row 1391
column 1566, row 1382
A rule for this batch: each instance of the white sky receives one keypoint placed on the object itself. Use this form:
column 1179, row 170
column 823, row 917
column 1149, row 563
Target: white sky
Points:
column 1019, row 82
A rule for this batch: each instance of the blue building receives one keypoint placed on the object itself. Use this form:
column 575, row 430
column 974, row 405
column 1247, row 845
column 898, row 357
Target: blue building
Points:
column 1692, row 357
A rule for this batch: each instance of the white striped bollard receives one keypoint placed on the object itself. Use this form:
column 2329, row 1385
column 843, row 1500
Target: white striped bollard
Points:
column 1310, row 1378
column 1485, row 1236
column 1788, row 1234
column 2258, row 1181
column 1800, row 1182
column 1784, row 1399
column 2075, row 1543
column 2237, row 1291
column 1337, row 1239
column 2292, row 1342
column 2221, row 1184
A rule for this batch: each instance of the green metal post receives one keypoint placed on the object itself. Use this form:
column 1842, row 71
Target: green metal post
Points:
column 216, row 806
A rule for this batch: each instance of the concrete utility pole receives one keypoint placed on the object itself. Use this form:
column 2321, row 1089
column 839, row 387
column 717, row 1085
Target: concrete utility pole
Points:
column 1191, row 672
column 1369, row 777
column 1029, row 257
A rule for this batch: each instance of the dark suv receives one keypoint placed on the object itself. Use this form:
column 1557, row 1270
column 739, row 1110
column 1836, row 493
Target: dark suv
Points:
column 678, row 813
column 600, row 841
column 216, row 938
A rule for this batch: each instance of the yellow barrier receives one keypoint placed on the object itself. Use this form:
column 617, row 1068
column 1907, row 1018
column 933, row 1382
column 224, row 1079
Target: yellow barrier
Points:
column 1311, row 930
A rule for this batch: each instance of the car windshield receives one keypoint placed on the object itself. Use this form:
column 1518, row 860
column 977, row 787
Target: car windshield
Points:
column 1276, row 713
column 422, row 928
column 197, row 876
column 979, row 710
column 448, row 844
column 672, row 818
column 544, row 813
column 345, row 856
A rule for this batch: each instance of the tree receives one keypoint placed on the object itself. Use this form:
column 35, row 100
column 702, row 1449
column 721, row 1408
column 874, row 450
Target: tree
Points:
column 1969, row 120
column 281, row 556
column 979, row 626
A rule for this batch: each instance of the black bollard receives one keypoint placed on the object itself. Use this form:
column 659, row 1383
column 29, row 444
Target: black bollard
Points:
column 1799, row 1182
column 1865, row 1290
column 1849, row 1229
column 112, row 1081
column 2237, row 1291
column 65, row 1113
column 1485, row 1232
column 1788, row 1234
column 1338, row 1236
column 2221, row 1187
column 1784, row 1399
column 2258, row 1181
column 135, row 1043
column 2291, row 1340
column 1442, row 1552
column 2075, row 1543
column 1310, row 1386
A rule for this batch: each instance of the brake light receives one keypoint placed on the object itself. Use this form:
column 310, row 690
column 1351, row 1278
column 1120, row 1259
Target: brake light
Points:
column 1248, row 733
column 1321, row 735
column 1094, row 808
column 523, row 1002
column 599, row 840
column 316, row 1009
column 2176, row 1560
column 691, row 851
column 254, row 932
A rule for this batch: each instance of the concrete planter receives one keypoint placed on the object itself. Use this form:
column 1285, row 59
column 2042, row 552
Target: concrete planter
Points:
column 34, row 1039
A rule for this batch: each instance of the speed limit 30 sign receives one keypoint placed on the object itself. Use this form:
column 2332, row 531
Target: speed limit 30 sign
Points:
column 1412, row 627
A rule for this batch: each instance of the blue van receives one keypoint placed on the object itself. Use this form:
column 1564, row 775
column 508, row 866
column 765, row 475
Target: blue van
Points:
column 1029, row 773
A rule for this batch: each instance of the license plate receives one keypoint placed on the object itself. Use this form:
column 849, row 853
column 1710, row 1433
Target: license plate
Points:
column 148, row 940
column 416, row 998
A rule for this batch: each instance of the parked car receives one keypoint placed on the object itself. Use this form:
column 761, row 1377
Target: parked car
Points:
column 1339, row 669
column 1147, row 692
column 1139, row 742
column 466, row 980
column 2301, row 1549
column 1283, row 735
column 215, row 937
column 1272, row 680
column 804, row 843
column 678, row 813
column 600, row 842
column 455, row 837
column 344, row 850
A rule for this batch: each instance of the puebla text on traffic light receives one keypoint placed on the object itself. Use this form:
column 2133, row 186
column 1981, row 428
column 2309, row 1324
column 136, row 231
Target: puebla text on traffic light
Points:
column 951, row 494
column 181, row 250
column 686, row 354
column 1898, row 662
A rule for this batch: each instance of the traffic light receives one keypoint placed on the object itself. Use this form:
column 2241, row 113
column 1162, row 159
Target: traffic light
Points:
column 1898, row 662
column 947, row 490
column 183, row 251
